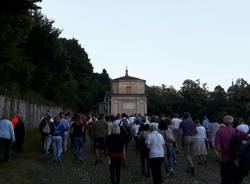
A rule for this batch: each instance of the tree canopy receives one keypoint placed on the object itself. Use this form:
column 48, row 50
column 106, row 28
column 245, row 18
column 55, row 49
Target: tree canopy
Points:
column 37, row 63
column 195, row 98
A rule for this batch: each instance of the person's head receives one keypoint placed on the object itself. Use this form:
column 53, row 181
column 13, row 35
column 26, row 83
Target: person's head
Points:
column 4, row 116
column 241, row 121
column 186, row 115
column 102, row 116
column 124, row 115
column 228, row 120
column 162, row 125
column 153, row 127
column 176, row 115
column 153, row 119
column 146, row 127
column 212, row 119
column 61, row 114
column 198, row 122
column 77, row 119
column 57, row 119
column 118, row 116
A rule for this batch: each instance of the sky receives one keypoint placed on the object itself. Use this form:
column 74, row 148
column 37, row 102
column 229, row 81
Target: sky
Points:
column 161, row 41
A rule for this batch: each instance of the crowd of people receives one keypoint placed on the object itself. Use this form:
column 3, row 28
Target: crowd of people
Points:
column 157, row 140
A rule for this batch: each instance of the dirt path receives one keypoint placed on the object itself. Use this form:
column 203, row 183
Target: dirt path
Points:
column 32, row 167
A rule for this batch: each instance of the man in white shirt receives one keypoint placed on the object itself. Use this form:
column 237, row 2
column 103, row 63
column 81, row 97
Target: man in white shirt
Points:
column 157, row 152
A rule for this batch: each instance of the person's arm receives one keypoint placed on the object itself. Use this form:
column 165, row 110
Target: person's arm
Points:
column 148, row 142
column 218, row 149
column 164, row 148
column 71, row 129
column 12, row 133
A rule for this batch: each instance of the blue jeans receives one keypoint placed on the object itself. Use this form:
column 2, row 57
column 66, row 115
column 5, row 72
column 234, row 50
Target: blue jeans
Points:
column 78, row 143
column 57, row 147
column 169, row 163
column 47, row 143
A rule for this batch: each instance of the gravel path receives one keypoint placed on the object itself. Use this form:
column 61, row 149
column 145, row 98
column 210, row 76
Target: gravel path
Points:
column 37, row 168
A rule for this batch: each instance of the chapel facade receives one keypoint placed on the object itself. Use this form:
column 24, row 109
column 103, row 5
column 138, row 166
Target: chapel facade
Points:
column 126, row 95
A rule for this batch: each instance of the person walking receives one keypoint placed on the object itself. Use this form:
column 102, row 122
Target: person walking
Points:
column 114, row 148
column 57, row 131
column 230, row 173
column 169, row 140
column 64, row 121
column 213, row 127
column 188, row 128
column 100, row 131
column 200, row 150
column 175, row 126
column 77, row 130
column 19, row 134
column 144, row 151
column 7, row 136
column 126, row 134
column 157, row 152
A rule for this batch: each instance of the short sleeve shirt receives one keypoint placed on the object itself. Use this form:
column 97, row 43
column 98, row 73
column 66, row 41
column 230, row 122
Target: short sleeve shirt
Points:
column 223, row 137
column 156, row 142
column 187, row 127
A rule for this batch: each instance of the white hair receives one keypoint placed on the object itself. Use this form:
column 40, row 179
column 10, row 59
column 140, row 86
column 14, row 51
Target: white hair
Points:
column 153, row 126
column 228, row 119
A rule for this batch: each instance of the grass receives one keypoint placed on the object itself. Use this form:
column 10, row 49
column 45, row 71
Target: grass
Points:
column 31, row 148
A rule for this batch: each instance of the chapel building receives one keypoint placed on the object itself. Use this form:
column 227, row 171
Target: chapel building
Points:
column 126, row 95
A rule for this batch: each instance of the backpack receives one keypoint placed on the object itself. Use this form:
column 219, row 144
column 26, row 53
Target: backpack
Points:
column 46, row 129
column 169, row 137
column 125, row 131
column 239, row 153
column 235, row 146
column 56, row 129
column 244, row 160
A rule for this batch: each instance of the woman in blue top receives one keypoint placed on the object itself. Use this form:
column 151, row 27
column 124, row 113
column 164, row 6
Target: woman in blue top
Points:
column 57, row 131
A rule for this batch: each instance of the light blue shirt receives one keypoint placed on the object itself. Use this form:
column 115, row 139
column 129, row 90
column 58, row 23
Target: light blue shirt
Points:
column 6, row 130
column 205, row 123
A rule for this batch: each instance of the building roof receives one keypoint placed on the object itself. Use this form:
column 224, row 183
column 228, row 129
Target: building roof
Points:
column 127, row 77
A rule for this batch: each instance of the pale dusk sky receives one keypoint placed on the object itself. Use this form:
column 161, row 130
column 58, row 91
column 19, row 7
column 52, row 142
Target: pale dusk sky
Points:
column 161, row 41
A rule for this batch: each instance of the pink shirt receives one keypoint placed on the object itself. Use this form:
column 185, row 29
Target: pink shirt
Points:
column 223, row 137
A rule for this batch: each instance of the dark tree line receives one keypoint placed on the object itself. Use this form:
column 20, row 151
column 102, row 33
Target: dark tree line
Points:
column 37, row 64
column 195, row 98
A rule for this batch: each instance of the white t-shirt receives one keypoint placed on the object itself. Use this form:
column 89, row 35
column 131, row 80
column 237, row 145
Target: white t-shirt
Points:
column 116, row 122
column 156, row 144
column 175, row 123
column 243, row 127
column 135, row 129
column 201, row 133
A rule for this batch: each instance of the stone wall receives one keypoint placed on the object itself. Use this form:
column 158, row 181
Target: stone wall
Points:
column 128, row 87
column 30, row 112
column 128, row 104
